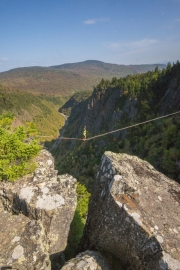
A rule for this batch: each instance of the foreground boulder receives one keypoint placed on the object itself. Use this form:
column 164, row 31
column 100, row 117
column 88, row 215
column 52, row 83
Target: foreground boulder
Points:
column 88, row 260
column 36, row 213
column 23, row 243
column 134, row 214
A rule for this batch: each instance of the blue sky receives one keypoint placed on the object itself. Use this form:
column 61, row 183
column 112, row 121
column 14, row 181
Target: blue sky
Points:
column 51, row 32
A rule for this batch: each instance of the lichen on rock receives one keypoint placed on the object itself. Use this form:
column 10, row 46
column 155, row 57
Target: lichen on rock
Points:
column 134, row 214
column 36, row 213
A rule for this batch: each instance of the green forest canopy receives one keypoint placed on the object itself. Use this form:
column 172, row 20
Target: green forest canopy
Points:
column 157, row 142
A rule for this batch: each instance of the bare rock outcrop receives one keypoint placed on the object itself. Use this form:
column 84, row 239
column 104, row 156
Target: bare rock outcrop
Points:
column 36, row 213
column 23, row 243
column 134, row 214
column 88, row 260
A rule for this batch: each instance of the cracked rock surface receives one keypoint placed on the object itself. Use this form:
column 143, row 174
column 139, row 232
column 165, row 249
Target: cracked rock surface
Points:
column 134, row 214
column 36, row 213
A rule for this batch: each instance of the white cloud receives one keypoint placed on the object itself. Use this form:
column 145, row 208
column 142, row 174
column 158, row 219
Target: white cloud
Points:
column 137, row 45
column 143, row 42
column 115, row 45
column 144, row 51
column 177, row 20
column 4, row 59
column 93, row 21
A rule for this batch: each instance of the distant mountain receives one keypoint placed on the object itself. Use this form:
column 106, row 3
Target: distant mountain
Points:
column 67, row 78
column 99, row 68
column 35, row 93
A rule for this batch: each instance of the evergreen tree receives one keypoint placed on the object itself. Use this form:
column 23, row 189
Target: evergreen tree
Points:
column 17, row 147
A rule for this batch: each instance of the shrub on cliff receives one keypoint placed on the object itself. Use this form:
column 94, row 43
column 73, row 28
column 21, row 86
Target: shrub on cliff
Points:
column 17, row 147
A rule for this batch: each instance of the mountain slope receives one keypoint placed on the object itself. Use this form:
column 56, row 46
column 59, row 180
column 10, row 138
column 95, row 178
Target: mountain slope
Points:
column 68, row 78
column 40, row 109
column 99, row 68
column 119, row 103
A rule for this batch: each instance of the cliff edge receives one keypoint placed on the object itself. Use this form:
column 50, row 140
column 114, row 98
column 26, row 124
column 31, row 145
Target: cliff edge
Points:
column 134, row 214
column 35, row 216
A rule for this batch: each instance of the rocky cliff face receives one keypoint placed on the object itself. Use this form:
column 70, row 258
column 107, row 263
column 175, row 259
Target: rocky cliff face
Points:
column 110, row 107
column 119, row 104
column 171, row 99
column 101, row 111
column 36, row 212
column 134, row 214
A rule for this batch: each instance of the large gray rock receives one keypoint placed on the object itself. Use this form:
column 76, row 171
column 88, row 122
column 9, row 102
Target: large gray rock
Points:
column 23, row 243
column 134, row 214
column 46, row 203
column 88, row 260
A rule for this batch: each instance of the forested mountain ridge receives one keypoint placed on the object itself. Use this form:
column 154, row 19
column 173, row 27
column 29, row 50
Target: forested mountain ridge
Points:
column 68, row 78
column 35, row 93
column 118, row 103
column 106, row 70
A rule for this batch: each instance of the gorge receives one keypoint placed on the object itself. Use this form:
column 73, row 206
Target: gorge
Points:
column 132, row 175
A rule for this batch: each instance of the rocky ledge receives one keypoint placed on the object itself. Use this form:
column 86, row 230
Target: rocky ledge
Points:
column 36, row 213
column 134, row 215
